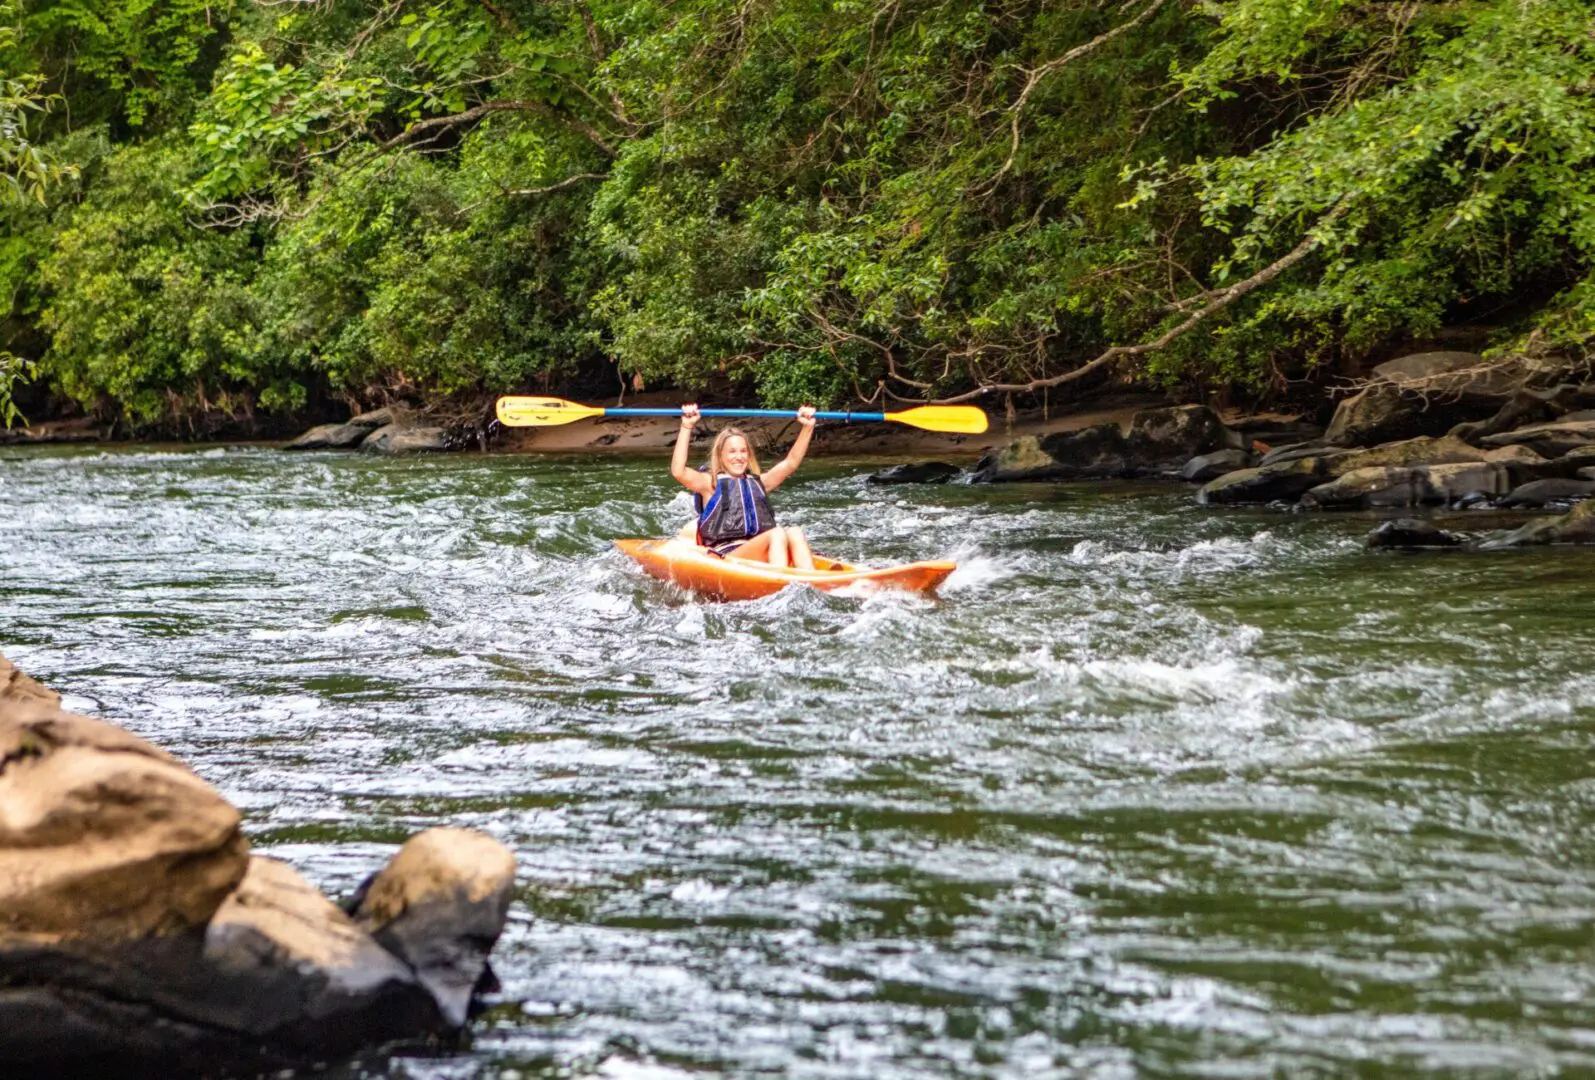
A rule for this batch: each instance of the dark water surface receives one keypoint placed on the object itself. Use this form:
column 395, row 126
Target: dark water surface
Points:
column 1150, row 791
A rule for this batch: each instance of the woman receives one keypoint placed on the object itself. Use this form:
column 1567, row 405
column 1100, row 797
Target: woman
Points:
column 734, row 515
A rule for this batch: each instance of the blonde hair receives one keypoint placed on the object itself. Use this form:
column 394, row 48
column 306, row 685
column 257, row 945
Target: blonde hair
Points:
column 717, row 466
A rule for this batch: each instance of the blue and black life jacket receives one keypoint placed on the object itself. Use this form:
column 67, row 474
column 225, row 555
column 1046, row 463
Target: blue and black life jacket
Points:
column 738, row 510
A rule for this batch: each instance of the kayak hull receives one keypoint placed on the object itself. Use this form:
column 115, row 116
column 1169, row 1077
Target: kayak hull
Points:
column 682, row 562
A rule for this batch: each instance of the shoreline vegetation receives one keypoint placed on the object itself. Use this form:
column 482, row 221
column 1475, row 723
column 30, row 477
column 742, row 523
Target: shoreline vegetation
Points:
column 230, row 221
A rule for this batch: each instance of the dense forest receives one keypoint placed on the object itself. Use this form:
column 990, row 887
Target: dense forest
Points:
column 217, row 212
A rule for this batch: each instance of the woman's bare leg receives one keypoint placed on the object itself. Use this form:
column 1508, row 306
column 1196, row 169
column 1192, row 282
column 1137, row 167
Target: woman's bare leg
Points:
column 779, row 552
column 757, row 549
column 802, row 554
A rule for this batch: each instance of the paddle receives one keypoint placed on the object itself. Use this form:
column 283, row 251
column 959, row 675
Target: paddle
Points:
column 551, row 412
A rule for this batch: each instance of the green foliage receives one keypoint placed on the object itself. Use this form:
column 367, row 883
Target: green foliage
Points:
column 825, row 200
column 147, row 310
column 259, row 109
column 129, row 62
column 27, row 176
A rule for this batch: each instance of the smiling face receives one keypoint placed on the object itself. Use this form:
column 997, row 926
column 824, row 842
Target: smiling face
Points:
column 732, row 455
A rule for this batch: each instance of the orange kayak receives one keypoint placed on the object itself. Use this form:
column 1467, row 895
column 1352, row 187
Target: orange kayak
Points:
column 680, row 561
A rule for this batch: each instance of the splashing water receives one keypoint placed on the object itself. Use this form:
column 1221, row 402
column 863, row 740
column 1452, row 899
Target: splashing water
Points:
column 1148, row 790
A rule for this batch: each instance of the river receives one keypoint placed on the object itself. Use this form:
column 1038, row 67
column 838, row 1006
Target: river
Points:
column 1150, row 790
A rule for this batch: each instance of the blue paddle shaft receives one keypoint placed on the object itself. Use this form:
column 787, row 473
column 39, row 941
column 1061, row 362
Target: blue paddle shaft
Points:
column 790, row 414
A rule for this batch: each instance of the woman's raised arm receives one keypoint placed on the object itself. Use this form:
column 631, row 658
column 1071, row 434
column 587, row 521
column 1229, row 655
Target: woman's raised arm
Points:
column 694, row 481
column 778, row 473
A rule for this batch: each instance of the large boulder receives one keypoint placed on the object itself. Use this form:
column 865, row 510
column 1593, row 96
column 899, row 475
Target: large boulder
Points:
column 1284, row 481
column 439, row 906
column 919, row 472
column 1577, row 526
column 1431, row 393
column 1540, row 493
column 330, row 437
column 1528, row 406
column 1159, row 441
column 1097, row 451
column 1408, row 534
column 395, row 439
column 352, row 432
column 103, row 836
column 1550, row 440
column 1018, row 461
column 1378, row 413
column 139, row 938
column 292, row 970
column 1205, row 467
column 1168, row 437
column 1397, row 486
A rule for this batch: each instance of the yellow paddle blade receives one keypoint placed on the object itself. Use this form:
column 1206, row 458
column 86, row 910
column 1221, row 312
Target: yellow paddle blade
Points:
column 962, row 419
column 541, row 411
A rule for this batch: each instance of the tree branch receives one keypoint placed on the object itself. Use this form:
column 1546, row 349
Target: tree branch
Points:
column 1034, row 76
column 1217, row 300
column 437, row 123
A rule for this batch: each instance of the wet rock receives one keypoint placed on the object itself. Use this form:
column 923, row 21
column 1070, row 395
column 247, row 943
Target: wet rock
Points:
column 1551, row 440
column 1169, row 436
column 1397, row 486
column 1411, row 533
column 294, row 970
column 102, row 835
column 1097, row 451
column 1577, row 526
column 16, row 688
column 1159, row 441
column 923, row 472
column 78, row 430
column 1021, row 460
column 1528, row 406
column 1431, row 393
column 374, row 419
column 394, row 439
column 1379, row 485
column 138, row 937
column 1296, row 451
column 1272, row 429
column 1539, row 493
column 1424, row 450
column 279, row 977
column 440, row 905
column 1284, row 481
column 1205, row 467
column 1376, row 414
column 1423, row 369
column 330, row 437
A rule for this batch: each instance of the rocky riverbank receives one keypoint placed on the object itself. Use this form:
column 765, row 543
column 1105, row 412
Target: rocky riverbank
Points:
column 140, row 937
column 1438, row 429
